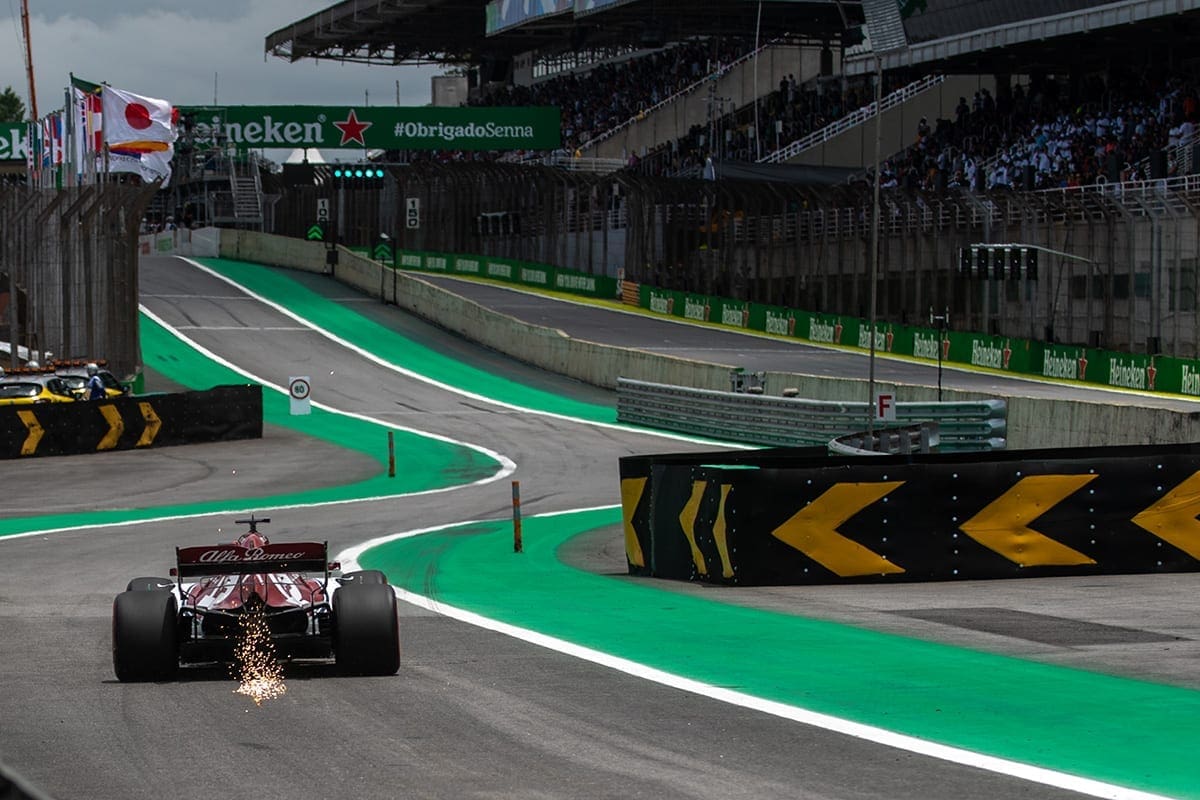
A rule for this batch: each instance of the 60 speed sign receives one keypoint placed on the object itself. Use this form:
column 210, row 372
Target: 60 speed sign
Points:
column 299, row 390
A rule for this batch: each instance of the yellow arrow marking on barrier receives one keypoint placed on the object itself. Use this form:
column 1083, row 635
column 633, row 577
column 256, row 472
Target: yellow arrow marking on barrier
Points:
column 631, row 495
column 36, row 432
column 116, row 426
column 1003, row 525
column 687, row 520
column 719, row 534
column 153, row 423
column 813, row 530
column 1173, row 518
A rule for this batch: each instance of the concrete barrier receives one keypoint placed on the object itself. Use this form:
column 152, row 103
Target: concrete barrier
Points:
column 1032, row 422
column 201, row 242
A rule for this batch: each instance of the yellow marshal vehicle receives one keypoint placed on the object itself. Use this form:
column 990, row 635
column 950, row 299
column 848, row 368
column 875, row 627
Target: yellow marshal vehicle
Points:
column 74, row 372
column 24, row 389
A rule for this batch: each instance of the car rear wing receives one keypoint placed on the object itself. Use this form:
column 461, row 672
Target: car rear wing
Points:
column 233, row 559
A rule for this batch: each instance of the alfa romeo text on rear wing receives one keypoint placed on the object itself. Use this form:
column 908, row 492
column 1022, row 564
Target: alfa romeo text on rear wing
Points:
column 233, row 559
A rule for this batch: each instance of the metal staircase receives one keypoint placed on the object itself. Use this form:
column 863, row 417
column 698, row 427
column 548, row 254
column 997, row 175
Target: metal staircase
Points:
column 246, row 188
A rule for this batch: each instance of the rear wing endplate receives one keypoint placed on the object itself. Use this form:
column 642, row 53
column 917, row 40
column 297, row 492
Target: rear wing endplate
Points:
column 233, row 559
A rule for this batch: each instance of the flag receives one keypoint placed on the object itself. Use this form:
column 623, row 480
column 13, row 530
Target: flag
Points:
column 134, row 122
column 149, row 166
column 86, row 120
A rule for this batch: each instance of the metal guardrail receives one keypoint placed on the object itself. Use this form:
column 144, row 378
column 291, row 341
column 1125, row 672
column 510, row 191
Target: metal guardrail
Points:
column 963, row 426
column 852, row 120
column 920, row 438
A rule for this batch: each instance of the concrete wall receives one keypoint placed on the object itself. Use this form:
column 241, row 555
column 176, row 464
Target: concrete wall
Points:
column 1032, row 422
column 856, row 146
column 736, row 88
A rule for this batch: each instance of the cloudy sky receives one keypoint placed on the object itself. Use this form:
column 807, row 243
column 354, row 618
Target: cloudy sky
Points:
column 177, row 50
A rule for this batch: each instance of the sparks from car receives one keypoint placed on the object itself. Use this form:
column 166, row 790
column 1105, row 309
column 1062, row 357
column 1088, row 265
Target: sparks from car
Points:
column 255, row 666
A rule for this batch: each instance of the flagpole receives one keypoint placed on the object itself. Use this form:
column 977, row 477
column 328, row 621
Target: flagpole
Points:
column 70, row 118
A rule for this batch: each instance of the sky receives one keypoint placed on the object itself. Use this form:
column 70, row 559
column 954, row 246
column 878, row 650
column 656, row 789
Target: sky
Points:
column 186, row 52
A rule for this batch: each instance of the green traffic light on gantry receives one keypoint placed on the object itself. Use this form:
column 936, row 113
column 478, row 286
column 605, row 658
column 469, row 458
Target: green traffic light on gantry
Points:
column 358, row 173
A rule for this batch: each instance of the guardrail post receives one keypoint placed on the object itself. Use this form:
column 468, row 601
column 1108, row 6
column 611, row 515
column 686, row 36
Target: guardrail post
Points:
column 391, row 455
column 516, row 500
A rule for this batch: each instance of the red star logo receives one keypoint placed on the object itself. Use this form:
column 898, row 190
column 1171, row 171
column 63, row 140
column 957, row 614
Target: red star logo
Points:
column 352, row 129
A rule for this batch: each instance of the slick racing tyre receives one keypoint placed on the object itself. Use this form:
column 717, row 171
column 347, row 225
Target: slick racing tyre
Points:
column 150, row 585
column 366, row 639
column 144, row 630
column 365, row 576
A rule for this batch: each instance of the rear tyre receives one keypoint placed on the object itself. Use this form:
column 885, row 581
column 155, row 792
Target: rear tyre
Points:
column 364, row 576
column 150, row 585
column 144, row 640
column 366, row 639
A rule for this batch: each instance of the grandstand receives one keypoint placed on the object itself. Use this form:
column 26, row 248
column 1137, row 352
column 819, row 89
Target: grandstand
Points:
column 1063, row 125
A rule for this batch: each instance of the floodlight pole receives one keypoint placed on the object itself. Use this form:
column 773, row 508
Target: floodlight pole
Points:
column 874, row 248
column 757, row 130
column 943, row 322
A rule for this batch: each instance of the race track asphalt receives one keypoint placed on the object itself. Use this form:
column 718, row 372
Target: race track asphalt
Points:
column 474, row 712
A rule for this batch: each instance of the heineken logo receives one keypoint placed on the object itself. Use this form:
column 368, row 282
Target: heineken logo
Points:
column 985, row 354
column 925, row 345
column 352, row 130
column 779, row 324
column 694, row 308
column 1060, row 365
column 12, row 141
column 581, row 283
column 1190, row 380
column 399, row 128
column 819, row 331
column 536, row 276
column 266, row 130
column 1128, row 375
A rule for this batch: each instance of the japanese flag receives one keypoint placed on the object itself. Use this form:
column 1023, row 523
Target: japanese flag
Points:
column 134, row 122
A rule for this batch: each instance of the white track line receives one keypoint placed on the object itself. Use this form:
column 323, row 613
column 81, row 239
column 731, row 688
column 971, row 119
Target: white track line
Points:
column 445, row 386
column 870, row 733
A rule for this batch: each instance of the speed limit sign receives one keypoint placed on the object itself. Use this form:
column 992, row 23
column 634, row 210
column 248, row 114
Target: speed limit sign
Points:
column 299, row 390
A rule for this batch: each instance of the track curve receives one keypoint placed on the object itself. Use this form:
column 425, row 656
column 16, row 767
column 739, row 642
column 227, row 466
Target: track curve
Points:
column 473, row 713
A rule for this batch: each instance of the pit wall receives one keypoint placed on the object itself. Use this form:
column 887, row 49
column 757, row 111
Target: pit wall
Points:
column 1033, row 422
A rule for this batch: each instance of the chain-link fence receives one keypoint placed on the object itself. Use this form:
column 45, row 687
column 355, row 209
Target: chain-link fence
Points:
column 1117, row 264
column 68, row 273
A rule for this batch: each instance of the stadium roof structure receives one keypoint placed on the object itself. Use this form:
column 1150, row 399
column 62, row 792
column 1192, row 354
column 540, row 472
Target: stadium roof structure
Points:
column 468, row 31
column 1026, row 36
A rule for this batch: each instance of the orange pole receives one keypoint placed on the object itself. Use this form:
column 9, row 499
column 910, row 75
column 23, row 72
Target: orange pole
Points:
column 33, row 111
column 516, row 494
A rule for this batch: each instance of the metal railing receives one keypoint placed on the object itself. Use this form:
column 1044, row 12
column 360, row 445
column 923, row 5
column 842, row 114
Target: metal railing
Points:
column 793, row 422
column 920, row 438
column 852, row 120
column 645, row 114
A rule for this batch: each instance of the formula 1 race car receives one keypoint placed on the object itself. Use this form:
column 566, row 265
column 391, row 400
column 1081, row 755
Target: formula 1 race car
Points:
column 159, row 624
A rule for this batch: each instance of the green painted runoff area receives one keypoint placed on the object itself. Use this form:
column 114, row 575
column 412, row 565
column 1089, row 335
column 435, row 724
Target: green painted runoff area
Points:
column 1133, row 733
column 396, row 348
column 429, row 463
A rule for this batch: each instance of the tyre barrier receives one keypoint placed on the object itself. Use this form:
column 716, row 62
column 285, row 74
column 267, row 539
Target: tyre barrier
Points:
column 797, row 516
column 223, row 413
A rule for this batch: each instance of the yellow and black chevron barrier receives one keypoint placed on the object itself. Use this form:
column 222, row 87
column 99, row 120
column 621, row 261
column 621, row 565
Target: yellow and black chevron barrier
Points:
column 124, row 423
column 801, row 517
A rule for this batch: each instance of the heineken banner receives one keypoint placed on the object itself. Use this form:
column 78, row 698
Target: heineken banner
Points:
column 375, row 127
column 525, row 273
column 1001, row 353
column 12, row 141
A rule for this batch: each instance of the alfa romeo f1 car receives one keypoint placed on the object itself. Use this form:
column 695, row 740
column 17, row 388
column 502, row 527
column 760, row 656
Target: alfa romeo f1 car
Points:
column 159, row 623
